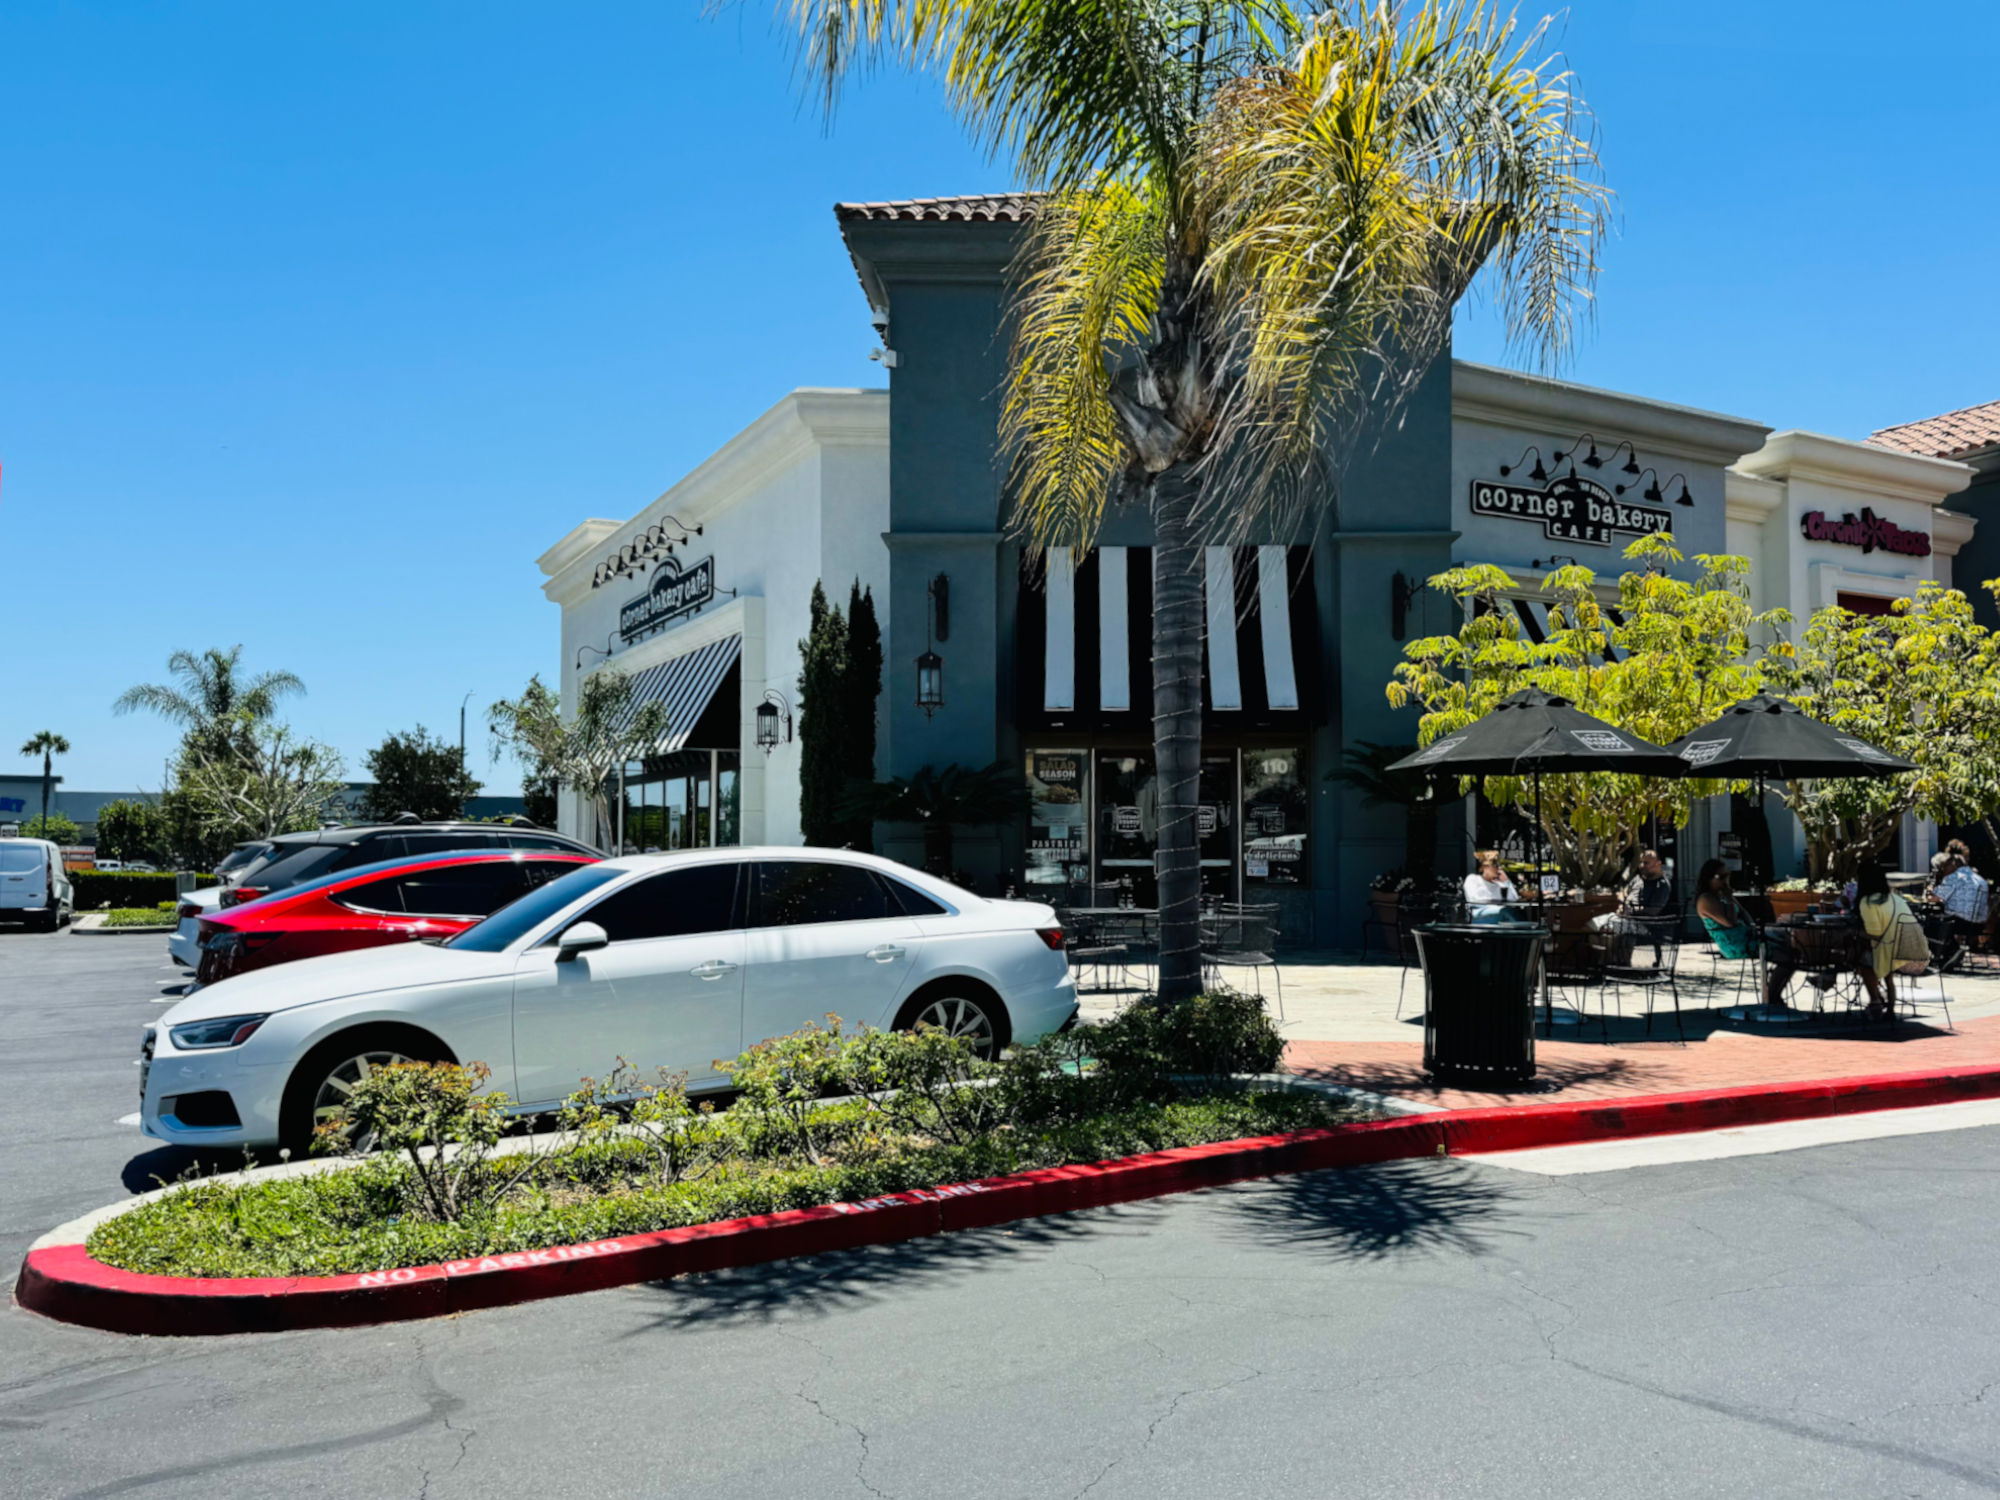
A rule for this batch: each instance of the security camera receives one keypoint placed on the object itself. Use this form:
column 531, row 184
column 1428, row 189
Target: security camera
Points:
column 879, row 318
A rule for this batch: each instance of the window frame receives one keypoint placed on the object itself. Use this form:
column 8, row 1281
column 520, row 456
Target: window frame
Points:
column 738, row 913
column 754, row 896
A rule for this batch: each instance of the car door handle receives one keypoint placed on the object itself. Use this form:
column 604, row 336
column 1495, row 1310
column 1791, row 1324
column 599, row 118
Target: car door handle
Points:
column 715, row 968
column 885, row 953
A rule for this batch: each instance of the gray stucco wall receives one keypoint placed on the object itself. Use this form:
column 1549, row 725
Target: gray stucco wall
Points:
column 1979, row 559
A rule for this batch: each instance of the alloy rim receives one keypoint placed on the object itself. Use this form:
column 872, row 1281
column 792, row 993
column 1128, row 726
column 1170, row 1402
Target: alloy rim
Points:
column 330, row 1103
column 957, row 1017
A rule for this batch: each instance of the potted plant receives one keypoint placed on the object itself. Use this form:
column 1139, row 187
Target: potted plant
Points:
column 1790, row 897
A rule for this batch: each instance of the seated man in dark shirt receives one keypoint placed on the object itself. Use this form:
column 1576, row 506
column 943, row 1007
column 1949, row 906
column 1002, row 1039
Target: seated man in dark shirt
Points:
column 1646, row 895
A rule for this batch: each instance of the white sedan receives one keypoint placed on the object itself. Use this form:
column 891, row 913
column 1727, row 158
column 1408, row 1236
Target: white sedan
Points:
column 666, row 960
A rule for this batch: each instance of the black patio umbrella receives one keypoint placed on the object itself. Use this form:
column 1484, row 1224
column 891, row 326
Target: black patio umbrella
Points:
column 1766, row 737
column 1532, row 733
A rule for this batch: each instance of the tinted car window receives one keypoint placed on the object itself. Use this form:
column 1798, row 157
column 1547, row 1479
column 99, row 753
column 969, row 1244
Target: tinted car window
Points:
column 913, row 901
column 443, row 891
column 445, row 843
column 518, row 918
column 795, row 893
column 240, row 856
column 675, row 903
column 541, row 841
column 287, row 867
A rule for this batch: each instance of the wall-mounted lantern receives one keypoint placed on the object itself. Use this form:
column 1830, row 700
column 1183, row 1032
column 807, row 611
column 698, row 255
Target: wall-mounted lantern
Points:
column 930, row 666
column 774, row 720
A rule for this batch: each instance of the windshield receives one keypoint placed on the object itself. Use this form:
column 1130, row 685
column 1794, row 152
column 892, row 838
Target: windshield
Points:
column 19, row 859
column 523, row 916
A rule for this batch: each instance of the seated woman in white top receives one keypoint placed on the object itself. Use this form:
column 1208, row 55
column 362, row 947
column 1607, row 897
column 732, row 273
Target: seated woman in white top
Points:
column 1489, row 894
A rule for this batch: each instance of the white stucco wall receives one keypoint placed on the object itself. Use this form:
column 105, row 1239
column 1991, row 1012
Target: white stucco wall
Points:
column 799, row 496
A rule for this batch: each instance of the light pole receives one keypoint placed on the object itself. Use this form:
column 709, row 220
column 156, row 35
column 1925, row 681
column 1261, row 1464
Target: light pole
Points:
column 461, row 742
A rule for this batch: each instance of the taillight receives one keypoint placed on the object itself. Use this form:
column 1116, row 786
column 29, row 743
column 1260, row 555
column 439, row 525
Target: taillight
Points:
column 236, row 895
column 1053, row 936
column 206, row 931
column 252, row 941
column 187, row 909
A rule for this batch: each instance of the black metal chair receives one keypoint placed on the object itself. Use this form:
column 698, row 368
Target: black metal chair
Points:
column 1940, row 945
column 1243, row 937
column 1111, row 942
column 1644, row 952
column 1411, row 913
column 1828, row 959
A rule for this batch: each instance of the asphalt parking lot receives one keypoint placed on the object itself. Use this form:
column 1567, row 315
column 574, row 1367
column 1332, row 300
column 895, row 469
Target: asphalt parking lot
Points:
column 1818, row 1322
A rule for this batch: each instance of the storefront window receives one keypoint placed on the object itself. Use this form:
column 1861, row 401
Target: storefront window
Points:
column 1058, row 819
column 1276, row 815
column 1215, row 821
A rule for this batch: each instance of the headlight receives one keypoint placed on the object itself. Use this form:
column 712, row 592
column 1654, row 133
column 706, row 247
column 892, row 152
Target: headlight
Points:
column 224, row 1031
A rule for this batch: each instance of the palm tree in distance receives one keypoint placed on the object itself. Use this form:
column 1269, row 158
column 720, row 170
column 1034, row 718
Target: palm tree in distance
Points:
column 212, row 702
column 1254, row 223
column 47, row 744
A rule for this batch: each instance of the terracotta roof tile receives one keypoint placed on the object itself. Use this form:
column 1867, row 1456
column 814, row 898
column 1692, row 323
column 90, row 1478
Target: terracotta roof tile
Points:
column 983, row 208
column 1952, row 435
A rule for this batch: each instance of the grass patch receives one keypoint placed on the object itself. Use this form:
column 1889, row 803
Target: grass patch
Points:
column 141, row 916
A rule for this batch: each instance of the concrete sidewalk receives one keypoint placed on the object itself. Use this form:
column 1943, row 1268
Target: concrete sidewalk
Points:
column 1342, row 1026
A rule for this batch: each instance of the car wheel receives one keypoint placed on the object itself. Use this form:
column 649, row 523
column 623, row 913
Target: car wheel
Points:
column 321, row 1083
column 963, row 1014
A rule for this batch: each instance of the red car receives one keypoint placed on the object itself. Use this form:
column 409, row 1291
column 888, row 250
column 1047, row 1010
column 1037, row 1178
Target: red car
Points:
column 396, row 901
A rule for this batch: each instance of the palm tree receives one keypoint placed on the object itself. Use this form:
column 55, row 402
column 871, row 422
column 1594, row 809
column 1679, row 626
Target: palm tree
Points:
column 939, row 801
column 1254, row 225
column 47, row 744
column 212, row 703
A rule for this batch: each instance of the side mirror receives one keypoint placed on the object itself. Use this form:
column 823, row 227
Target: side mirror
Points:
column 580, row 938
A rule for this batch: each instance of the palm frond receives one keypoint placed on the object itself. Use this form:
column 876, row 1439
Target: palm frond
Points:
column 1353, row 194
column 1089, row 288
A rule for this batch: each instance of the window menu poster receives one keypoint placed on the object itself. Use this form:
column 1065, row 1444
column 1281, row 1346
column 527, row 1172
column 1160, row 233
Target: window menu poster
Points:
column 1058, row 834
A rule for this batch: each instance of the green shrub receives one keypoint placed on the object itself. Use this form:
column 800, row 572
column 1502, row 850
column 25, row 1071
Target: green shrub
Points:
column 96, row 889
column 823, row 1116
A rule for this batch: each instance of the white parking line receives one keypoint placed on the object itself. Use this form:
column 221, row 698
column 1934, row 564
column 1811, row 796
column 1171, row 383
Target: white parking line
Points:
column 1742, row 1140
column 131, row 1119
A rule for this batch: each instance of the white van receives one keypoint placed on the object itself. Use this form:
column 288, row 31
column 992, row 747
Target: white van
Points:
column 34, row 888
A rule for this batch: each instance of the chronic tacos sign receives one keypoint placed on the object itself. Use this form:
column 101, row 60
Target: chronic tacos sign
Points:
column 1870, row 532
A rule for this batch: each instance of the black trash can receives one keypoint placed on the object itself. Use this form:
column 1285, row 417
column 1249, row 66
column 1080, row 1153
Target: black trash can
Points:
column 1480, row 987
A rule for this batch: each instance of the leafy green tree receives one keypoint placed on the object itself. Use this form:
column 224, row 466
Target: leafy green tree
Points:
column 420, row 773
column 129, row 830
column 1684, row 653
column 584, row 752
column 941, row 801
column 256, row 779
column 1254, row 224
column 1922, row 682
column 47, row 744
column 825, row 726
column 54, row 827
column 863, row 693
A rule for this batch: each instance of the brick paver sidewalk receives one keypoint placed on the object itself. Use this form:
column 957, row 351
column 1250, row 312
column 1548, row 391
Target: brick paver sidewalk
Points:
column 1722, row 1059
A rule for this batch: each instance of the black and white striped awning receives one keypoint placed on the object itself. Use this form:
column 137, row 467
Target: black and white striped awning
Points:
column 1084, row 636
column 1535, row 626
column 686, row 685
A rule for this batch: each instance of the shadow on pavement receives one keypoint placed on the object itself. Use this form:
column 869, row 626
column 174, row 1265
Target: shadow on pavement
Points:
column 1552, row 1075
column 850, row 1279
column 1371, row 1213
column 164, row 1165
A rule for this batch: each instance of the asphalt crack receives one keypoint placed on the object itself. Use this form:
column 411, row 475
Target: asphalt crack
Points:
column 1153, row 1427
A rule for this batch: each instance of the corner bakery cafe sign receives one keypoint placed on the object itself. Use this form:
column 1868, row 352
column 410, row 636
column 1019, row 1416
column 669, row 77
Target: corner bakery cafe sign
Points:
column 1570, row 509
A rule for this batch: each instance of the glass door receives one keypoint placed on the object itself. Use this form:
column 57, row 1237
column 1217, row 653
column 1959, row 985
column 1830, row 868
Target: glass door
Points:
column 1128, row 826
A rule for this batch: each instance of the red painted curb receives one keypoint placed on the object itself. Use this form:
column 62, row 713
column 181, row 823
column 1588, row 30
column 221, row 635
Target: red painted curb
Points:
column 63, row 1282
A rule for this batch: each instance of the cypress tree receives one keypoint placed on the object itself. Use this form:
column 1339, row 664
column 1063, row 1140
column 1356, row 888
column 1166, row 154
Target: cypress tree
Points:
column 862, row 691
column 823, row 727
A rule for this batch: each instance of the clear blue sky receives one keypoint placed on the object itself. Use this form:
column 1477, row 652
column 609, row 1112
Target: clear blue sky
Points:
column 319, row 322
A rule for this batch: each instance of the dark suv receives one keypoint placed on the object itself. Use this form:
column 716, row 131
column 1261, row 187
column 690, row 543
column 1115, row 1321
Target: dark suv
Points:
column 294, row 857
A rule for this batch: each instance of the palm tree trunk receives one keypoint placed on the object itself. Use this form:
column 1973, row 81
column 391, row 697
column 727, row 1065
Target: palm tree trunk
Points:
column 1177, row 638
column 48, row 766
